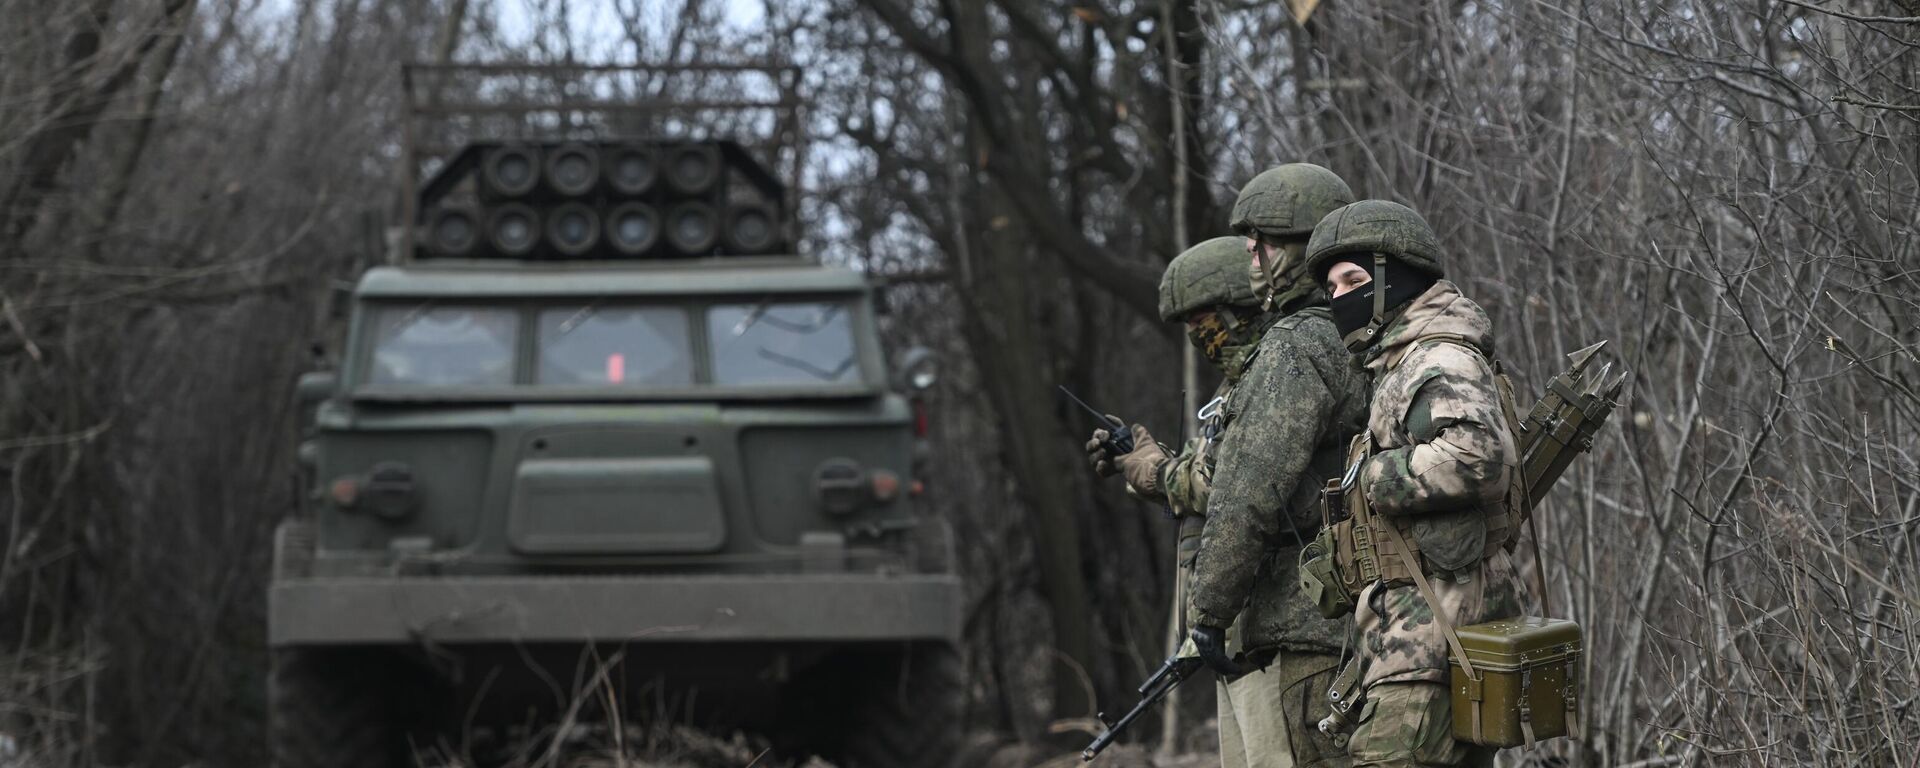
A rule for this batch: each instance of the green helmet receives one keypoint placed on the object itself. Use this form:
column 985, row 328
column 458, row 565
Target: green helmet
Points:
column 1284, row 204
column 1367, row 233
column 1374, row 226
column 1287, row 201
column 1207, row 275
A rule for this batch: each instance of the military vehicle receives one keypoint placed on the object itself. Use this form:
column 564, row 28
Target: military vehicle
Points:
column 599, row 445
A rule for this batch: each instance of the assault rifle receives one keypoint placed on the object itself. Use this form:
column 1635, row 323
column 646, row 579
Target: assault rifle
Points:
column 1119, row 440
column 1178, row 667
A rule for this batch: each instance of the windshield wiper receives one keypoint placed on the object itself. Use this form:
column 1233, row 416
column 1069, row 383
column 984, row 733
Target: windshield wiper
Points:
column 573, row 321
column 807, row 366
column 818, row 323
column 753, row 316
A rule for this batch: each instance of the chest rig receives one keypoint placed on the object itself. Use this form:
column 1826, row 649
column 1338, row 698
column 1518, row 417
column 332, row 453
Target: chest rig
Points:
column 1357, row 546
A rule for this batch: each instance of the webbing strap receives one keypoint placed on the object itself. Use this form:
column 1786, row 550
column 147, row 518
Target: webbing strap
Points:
column 1479, row 731
column 1426, row 592
column 1539, row 571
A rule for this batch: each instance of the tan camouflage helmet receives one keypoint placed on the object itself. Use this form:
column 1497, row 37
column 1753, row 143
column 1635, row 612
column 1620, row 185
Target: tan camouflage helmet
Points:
column 1210, row 274
column 1370, row 227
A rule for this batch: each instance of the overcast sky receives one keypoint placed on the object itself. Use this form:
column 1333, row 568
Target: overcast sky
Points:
column 589, row 17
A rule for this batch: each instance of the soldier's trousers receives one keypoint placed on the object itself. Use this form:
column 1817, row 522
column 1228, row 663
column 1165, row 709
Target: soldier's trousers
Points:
column 1402, row 725
column 1269, row 718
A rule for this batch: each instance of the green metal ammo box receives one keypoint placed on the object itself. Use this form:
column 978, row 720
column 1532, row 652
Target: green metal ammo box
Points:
column 1528, row 686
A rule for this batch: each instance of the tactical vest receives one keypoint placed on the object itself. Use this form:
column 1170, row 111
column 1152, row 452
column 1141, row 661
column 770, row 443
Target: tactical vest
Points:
column 1365, row 550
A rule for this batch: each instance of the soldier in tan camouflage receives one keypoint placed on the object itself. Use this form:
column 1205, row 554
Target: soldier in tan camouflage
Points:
column 1281, row 430
column 1439, row 463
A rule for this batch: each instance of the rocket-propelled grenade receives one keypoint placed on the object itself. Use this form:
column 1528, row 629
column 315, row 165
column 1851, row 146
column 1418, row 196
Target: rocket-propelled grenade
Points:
column 1562, row 424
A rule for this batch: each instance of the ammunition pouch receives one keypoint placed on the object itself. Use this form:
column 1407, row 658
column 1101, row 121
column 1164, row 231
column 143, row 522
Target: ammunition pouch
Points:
column 1364, row 551
column 1320, row 577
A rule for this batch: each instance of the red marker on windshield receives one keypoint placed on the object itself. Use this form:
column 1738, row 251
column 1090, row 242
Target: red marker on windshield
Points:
column 616, row 368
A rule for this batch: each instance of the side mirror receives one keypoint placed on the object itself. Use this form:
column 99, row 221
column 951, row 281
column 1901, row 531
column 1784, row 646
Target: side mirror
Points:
column 917, row 370
column 314, row 386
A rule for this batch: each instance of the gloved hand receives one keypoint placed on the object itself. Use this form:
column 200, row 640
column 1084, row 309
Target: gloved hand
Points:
column 1097, row 454
column 1211, row 642
column 1142, row 467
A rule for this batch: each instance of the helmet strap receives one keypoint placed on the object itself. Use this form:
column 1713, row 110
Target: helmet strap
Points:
column 1266, row 268
column 1365, row 336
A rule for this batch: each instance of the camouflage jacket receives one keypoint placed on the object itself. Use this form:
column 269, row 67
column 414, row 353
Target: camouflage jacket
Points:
column 1443, row 458
column 1188, row 480
column 1286, row 427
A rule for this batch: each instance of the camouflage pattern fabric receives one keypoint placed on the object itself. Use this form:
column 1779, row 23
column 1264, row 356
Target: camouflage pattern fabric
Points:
column 1210, row 334
column 1369, row 227
column 1268, row 718
column 1286, row 426
column 1443, row 458
column 1187, row 480
column 1411, row 724
column 1205, row 276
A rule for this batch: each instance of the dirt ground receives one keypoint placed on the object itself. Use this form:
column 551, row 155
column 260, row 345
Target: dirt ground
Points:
column 681, row 746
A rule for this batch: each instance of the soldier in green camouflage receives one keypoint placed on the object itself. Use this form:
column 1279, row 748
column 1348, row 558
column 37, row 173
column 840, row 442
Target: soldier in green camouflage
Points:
column 1439, row 468
column 1206, row 288
column 1281, row 430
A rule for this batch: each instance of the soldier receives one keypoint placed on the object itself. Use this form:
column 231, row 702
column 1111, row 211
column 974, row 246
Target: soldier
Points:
column 1206, row 288
column 1439, row 465
column 1280, row 431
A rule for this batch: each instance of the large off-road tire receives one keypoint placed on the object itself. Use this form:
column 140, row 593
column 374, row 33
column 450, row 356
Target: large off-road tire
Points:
column 909, row 712
column 334, row 708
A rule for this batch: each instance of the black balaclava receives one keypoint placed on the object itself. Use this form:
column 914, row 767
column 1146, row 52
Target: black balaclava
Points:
column 1353, row 310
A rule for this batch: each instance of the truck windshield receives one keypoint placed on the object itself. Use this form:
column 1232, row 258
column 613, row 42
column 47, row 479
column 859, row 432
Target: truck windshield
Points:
column 610, row 346
column 427, row 345
column 782, row 343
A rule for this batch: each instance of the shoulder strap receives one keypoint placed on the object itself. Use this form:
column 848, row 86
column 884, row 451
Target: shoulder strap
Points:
column 1433, row 601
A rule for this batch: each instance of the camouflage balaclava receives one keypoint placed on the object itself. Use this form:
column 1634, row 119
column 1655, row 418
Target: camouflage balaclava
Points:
column 1210, row 277
column 1396, row 246
column 1280, row 207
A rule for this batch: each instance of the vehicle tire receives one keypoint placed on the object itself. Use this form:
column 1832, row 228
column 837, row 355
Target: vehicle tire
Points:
column 910, row 713
column 333, row 708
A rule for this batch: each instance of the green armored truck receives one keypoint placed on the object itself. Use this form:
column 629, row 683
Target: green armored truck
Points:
column 597, row 439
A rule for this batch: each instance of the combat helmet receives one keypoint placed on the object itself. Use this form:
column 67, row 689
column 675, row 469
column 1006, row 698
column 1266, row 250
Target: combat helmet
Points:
column 1284, row 203
column 1373, row 231
column 1210, row 274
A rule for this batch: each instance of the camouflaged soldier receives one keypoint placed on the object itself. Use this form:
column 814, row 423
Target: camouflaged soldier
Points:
column 1439, row 467
column 1282, row 429
column 1206, row 288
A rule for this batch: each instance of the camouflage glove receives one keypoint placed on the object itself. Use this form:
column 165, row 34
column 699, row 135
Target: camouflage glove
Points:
column 1142, row 467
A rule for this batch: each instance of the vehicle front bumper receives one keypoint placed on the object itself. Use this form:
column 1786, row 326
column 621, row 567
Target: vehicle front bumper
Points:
column 488, row 609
